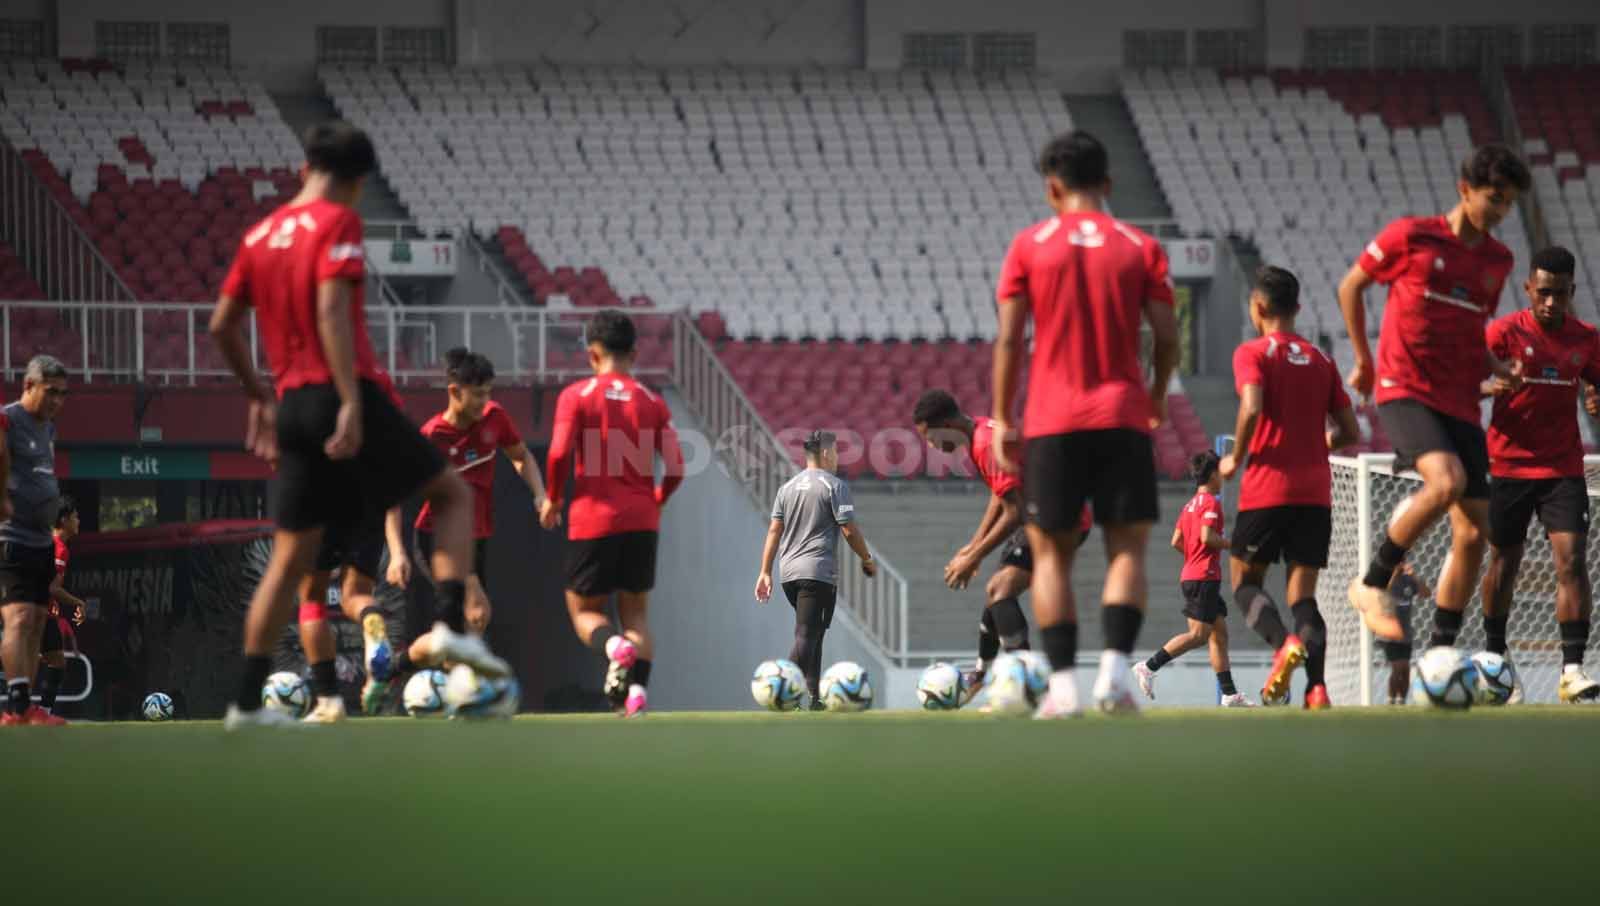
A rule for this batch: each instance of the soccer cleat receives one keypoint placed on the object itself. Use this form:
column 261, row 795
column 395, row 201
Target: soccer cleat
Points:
column 817, row 705
column 971, row 684
column 446, row 646
column 1290, row 655
column 329, row 710
column 236, row 719
column 373, row 692
column 1237, row 700
column 1317, row 698
column 39, row 717
column 1516, row 690
column 619, row 666
column 1577, row 688
column 1376, row 607
column 13, row 720
column 1111, row 692
column 1057, row 705
column 1397, row 699
column 1146, row 678
column 636, row 705
column 375, row 638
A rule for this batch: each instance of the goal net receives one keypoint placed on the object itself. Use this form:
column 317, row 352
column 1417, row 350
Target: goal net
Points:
column 1366, row 490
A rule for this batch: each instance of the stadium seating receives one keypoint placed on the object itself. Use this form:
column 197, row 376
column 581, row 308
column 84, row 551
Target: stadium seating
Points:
column 1561, row 136
column 15, row 281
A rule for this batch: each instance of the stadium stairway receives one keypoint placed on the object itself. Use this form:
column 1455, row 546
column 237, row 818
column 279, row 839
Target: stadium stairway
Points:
column 1136, row 194
column 378, row 201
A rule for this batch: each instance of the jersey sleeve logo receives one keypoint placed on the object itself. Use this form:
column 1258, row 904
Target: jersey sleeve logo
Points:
column 1374, row 251
column 346, row 251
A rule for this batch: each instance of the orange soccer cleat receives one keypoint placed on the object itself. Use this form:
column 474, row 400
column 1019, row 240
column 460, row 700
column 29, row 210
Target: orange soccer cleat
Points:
column 1290, row 655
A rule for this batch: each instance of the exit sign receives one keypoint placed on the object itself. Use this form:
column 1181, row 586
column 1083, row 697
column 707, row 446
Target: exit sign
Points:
column 140, row 463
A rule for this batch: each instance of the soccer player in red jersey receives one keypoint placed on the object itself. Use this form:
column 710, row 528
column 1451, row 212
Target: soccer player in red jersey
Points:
column 1086, row 280
column 941, row 423
column 343, row 450
column 609, row 429
column 1199, row 536
column 1536, row 461
column 58, row 635
column 1444, row 275
column 1288, row 392
column 469, row 432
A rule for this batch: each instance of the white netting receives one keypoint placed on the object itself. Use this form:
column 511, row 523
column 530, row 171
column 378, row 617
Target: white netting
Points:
column 1533, row 638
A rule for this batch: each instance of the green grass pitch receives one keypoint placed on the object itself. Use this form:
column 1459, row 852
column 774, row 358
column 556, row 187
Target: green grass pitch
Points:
column 1349, row 807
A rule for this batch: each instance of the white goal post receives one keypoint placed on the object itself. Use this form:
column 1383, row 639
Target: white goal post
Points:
column 1366, row 490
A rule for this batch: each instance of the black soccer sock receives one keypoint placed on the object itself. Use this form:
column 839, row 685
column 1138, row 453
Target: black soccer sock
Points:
column 1060, row 645
column 1158, row 660
column 1313, row 632
column 256, row 668
column 49, row 685
column 1225, row 680
column 641, row 672
column 402, row 662
column 18, row 696
column 1494, row 633
column 453, row 604
column 988, row 639
column 1384, row 563
column 1120, row 623
column 604, row 634
column 324, row 679
column 1446, row 626
column 1574, row 641
column 1011, row 625
column 1261, row 614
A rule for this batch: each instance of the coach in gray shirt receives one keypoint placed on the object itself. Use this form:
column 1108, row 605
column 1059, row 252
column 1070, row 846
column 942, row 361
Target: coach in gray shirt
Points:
column 812, row 510
column 27, row 547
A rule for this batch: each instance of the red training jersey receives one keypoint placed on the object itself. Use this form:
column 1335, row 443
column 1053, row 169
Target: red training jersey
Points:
column 62, row 556
column 471, row 451
column 1300, row 388
column 1000, row 481
column 1085, row 278
column 1442, row 293
column 1200, row 563
column 610, row 428
column 1533, row 433
column 279, row 265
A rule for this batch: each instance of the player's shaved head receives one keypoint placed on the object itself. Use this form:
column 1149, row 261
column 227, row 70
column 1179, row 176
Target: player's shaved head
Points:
column 1077, row 159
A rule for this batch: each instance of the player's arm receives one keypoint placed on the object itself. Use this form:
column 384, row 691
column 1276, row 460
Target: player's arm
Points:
column 991, row 512
column 228, row 334
column 1164, row 329
column 1005, row 524
column 1212, row 538
column 5, row 469
column 527, row 467
column 1008, row 352
column 399, row 571
column 559, row 461
column 1346, row 430
column 844, row 515
column 1354, row 307
column 671, row 453
column 70, row 603
column 1177, row 538
column 769, row 552
column 1251, row 401
column 335, row 331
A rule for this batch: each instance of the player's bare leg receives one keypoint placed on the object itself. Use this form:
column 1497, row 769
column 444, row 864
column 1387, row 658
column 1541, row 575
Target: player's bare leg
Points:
column 1122, row 612
column 478, row 609
column 451, row 502
column 1498, row 591
column 1574, row 607
column 316, row 638
column 359, row 606
column 270, row 608
column 1199, row 635
column 633, row 609
column 1057, row 612
column 1003, row 626
column 1444, row 480
column 1222, row 666
column 1469, row 529
column 1260, row 613
column 594, row 629
column 19, row 650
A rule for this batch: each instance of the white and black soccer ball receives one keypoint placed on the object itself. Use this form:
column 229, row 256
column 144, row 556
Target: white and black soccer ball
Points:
column 157, row 706
column 287, row 692
column 1445, row 678
column 1497, row 679
column 423, row 695
column 940, row 687
column 846, row 687
column 1016, row 682
column 778, row 685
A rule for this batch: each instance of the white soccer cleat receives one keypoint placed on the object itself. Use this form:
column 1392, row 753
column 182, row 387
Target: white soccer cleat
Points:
column 1146, row 678
column 1111, row 692
column 329, row 710
column 461, row 687
column 236, row 719
column 1237, row 700
column 446, row 646
column 1060, row 701
column 1577, row 688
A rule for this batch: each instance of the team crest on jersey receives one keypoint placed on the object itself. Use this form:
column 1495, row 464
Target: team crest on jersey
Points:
column 1297, row 355
column 1088, row 235
column 1527, row 350
column 618, row 393
column 1438, row 264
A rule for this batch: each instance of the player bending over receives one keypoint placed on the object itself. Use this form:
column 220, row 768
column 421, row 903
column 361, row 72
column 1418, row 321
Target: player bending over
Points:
column 1536, row 462
column 609, row 429
column 941, row 423
column 1199, row 537
column 810, row 513
column 1444, row 275
column 1288, row 390
column 343, row 450
column 1086, row 279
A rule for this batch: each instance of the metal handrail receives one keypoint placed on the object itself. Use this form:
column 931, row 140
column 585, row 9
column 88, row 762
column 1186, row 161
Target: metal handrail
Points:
column 505, row 292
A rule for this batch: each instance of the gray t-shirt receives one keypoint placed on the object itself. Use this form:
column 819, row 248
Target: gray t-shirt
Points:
column 812, row 506
column 35, row 495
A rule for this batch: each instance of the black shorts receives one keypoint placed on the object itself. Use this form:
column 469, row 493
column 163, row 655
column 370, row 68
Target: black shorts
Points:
column 622, row 562
column 1202, row 600
column 1294, row 534
column 480, row 555
column 394, row 462
column 26, row 573
column 1415, row 429
column 1017, row 552
column 1562, row 505
column 358, row 546
column 812, row 593
column 1115, row 469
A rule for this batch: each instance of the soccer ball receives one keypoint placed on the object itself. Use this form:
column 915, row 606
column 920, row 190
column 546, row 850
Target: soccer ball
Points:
column 1017, row 682
column 1445, row 678
column 778, row 685
column 423, row 695
column 846, row 687
column 940, row 687
column 157, row 706
column 475, row 696
column 1497, row 679
column 287, row 692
